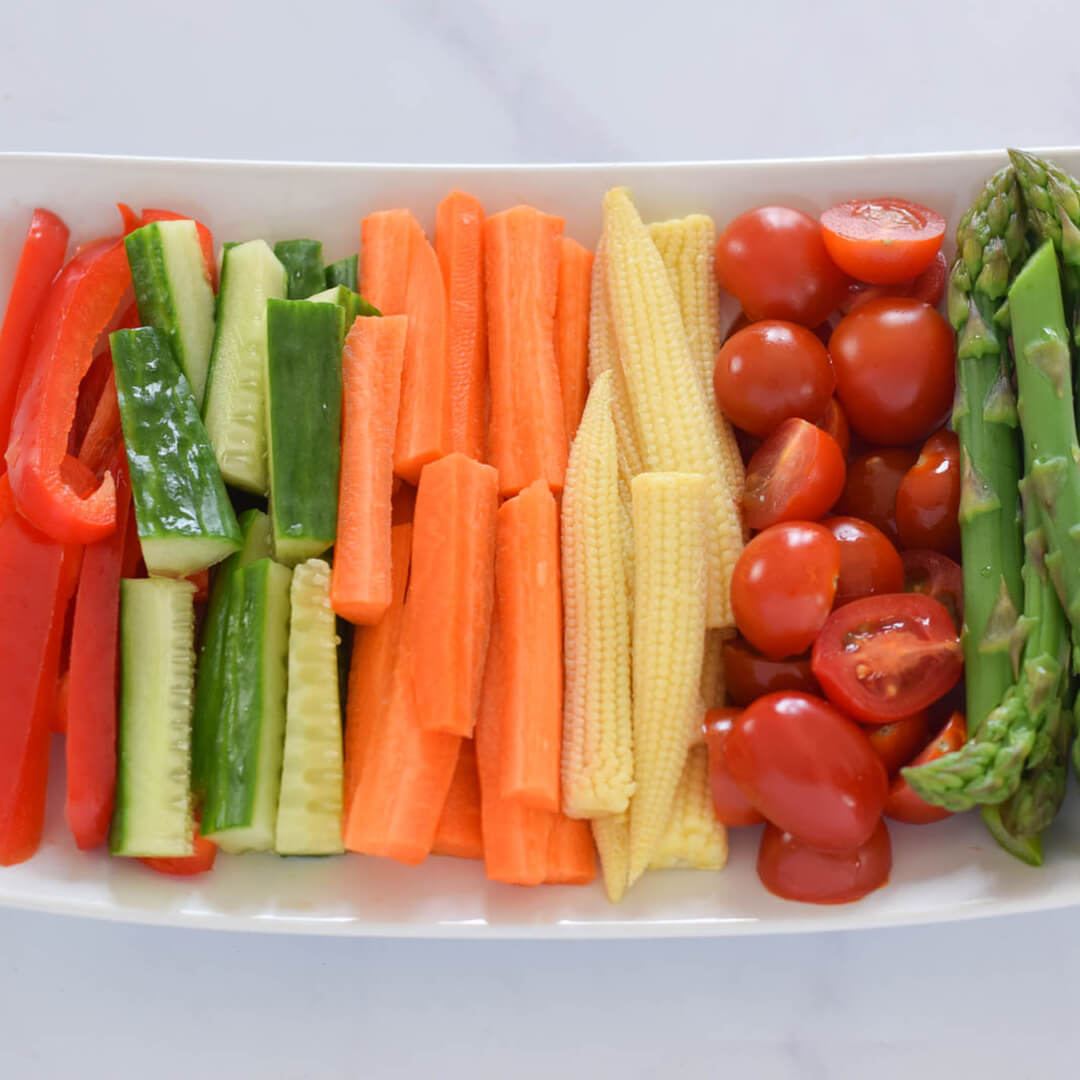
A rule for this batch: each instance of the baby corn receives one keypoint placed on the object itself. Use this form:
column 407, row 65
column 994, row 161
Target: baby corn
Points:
column 693, row 839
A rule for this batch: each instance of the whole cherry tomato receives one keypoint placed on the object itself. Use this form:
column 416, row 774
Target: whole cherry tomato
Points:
column 729, row 802
column 928, row 499
column 873, row 480
column 902, row 803
column 749, row 675
column 898, row 741
column 937, row 576
column 833, row 421
column 869, row 563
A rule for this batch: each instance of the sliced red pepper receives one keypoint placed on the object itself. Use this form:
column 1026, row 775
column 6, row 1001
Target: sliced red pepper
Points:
column 206, row 238
column 133, row 565
column 91, row 708
column 7, row 500
column 41, row 258
column 186, row 865
column 34, row 571
column 81, row 304
column 131, row 221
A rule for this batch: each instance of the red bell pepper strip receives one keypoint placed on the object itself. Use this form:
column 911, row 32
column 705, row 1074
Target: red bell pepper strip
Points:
column 206, row 238
column 42, row 256
column 91, row 706
column 7, row 500
column 133, row 565
column 59, row 720
column 131, row 221
column 186, row 865
column 33, row 575
column 81, row 303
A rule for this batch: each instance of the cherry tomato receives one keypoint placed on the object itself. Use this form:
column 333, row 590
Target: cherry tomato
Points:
column 883, row 241
column 740, row 323
column 928, row 499
column 748, row 675
column 808, row 769
column 937, row 576
column 898, row 741
column 869, row 563
column 929, row 286
column 769, row 371
column 887, row 656
column 783, row 585
column 902, row 803
column 796, row 474
column 186, row 865
column 833, row 421
column 894, row 369
column 773, row 261
column 790, row 869
column 873, row 480
column 729, row 802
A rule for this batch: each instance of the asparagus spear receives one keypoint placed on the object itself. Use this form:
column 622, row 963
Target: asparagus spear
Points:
column 991, row 245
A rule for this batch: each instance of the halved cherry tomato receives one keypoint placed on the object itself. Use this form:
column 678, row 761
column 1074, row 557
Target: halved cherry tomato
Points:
column 903, row 804
column 748, row 675
column 835, row 423
column 894, row 369
column 929, row 287
column 729, row 802
column 869, row 563
column 937, row 576
column 928, row 499
column 873, row 480
column 783, row 585
column 887, row 656
column 773, row 261
column 898, row 741
column 769, row 371
column 797, row 474
column 883, row 241
column 792, row 870
column 808, row 768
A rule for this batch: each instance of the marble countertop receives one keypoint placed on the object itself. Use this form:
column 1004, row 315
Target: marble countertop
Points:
column 422, row 80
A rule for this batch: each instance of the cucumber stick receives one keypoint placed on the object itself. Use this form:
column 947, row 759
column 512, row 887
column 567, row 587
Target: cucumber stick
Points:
column 235, row 406
column 344, row 272
column 310, row 808
column 244, row 775
column 303, row 264
column 152, row 815
column 210, row 676
column 174, row 293
column 303, row 425
column 352, row 303
column 185, row 520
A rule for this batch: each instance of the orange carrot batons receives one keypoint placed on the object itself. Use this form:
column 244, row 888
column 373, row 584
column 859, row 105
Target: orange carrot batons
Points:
column 572, row 330
column 451, row 590
column 459, row 244
column 527, row 435
column 386, row 240
column 530, row 611
column 361, row 588
column 459, row 832
column 571, row 854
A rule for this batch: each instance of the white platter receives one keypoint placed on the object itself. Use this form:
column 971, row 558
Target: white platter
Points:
column 946, row 872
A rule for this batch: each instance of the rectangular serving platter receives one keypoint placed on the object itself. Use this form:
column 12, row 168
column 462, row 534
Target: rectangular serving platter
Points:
column 944, row 872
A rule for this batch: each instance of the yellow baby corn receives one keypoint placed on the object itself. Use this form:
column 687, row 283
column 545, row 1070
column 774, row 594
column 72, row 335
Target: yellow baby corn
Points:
column 671, row 532
column 712, row 669
column 597, row 748
column 694, row 839
column 612, row 836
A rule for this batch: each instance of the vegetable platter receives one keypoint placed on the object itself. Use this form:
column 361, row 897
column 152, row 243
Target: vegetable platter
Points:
column 266, row 786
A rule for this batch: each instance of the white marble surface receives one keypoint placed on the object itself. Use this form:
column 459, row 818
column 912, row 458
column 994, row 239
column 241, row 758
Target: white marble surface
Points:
column 559, row 80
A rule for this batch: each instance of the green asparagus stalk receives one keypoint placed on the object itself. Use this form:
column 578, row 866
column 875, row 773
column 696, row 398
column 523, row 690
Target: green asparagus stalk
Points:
column 991, row 246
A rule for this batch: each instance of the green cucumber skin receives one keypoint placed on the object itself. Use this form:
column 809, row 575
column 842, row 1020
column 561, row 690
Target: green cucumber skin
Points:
column 152, row 815
column 210, row 673
column 304, row 425
column 344, row 272
column 303, row 262
column 244, row 776
column 180, row 498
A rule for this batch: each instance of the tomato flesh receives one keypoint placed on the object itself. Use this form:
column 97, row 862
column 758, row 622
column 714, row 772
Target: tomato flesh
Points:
column 893, row 359
column 773, row 261
column 797, row 474
column 869, row 563
column 770, row 371
column 783, row 585
column 885, row 657
column 792, row 870
column 883, row 241
column 873, row 480
column 902, row 803
column 928, row 499
column 731, row 805
column 749, row 675
column 808, row 768
column 898, row 741
column 937, row 576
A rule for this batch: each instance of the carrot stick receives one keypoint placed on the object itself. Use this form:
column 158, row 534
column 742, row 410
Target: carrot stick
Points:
column 530, row 610
column 400, row 275
column 372, row 665
column 459, row 830
column 571, row 854
column 527, row 438
column 572, row 330
column 452, row 589
column 459, row 244
column 515, row 838
column 361, row 588
column 403, row 503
